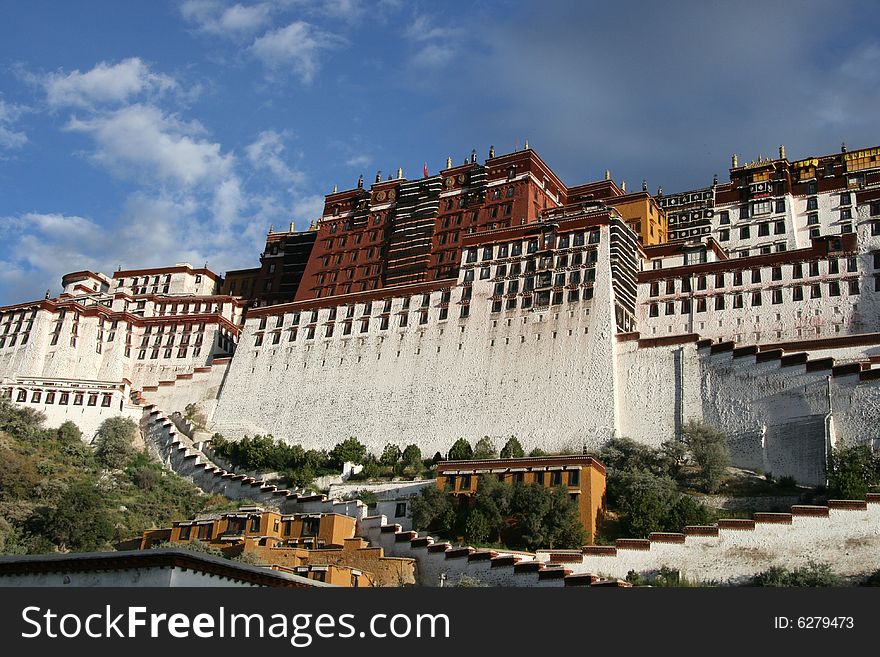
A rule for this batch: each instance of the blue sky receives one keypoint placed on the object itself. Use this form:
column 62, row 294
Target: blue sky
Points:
column 141, row 134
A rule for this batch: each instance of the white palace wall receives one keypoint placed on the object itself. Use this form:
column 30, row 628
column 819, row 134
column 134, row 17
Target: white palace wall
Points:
column 543, row 375
column 772, row 404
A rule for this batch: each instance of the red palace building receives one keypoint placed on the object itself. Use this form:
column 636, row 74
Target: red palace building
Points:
column 403, row 232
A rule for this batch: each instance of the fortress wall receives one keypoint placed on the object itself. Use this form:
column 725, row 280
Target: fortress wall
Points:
column 772, row 407
column 543, row 375
column 198, row 384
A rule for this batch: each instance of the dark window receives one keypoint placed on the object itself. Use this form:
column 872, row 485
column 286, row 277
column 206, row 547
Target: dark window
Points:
column 797, row 293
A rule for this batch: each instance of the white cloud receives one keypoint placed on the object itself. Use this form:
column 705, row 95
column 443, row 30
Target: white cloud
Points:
column 141, row 140
column 265, row 153
column 436, row 45
column 359, row 160
column 9, row 136
column 236, row 21
column 105, row 83
column 296, row 46
column 228, row 202
column 307, row 208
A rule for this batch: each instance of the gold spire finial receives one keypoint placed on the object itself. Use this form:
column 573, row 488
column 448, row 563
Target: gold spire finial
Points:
column 449, row 162
column 734, row 161
column 607, row 174
column 782, row 151
column 526, row 147
column 335, row 189
column 400, row 173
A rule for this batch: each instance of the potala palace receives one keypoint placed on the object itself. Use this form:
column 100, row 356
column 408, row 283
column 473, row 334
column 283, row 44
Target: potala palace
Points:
column 492, row 299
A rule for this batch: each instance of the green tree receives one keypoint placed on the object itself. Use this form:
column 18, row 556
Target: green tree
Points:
column 512, row 449
column 461, row 450
column 113, row 441
column 852, row 471
column 21, row 421
column 643, row 500
column 708, row 448
column 390, row 455
column 412, row 458
column 492, row 500
column 537, row 451
column 485, row 449
column 80, row 521
column 430, row 508
column 349, row 450
column 18, row 476
column 686, row 511
column 564, row 527
column 529, row 504
column 68, row 433
column 476, row 528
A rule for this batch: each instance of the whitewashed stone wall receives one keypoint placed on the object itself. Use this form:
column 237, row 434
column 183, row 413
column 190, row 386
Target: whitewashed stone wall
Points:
column 847, row 536
column 516, row 372
column 772, row 411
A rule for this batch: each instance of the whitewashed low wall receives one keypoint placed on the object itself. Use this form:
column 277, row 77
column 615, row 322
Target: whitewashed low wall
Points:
column 845, row 534
column 179, row 453
column 487, row 567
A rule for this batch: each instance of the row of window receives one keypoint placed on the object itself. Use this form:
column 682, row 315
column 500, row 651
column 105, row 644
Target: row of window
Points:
column 514, row 249
column 466, row 482
column 37, row 397
column 542, row 299
column 756, row 298
column 168, row 352
column 756, row 276
column 745, row 232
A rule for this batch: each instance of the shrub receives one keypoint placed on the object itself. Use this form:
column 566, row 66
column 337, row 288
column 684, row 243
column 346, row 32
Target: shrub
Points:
column 814, row 574
column 852, row 471
column 708, row 448
column 68, row 433
column 80, row 521
column 20, row 421
column 787, row 482
column 113, row 441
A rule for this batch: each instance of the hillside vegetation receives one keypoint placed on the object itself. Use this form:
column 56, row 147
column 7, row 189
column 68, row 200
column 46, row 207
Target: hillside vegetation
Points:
column 59, row 494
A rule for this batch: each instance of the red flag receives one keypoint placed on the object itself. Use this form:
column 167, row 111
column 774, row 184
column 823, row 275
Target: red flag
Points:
column 425, row 171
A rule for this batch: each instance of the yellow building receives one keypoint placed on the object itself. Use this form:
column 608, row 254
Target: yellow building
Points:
column 320, row 546
column 582, row 476
column 643, row 214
